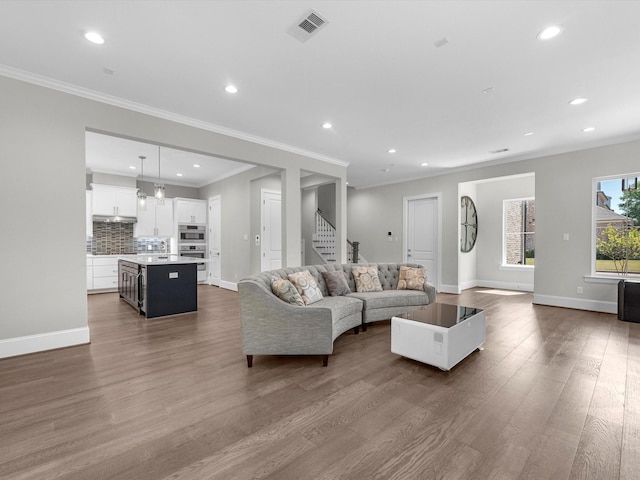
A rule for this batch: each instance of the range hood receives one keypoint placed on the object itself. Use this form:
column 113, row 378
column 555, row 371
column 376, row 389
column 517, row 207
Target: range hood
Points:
column 113, row 219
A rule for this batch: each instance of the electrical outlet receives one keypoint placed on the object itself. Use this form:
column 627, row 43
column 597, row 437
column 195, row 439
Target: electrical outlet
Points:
column 580, row 290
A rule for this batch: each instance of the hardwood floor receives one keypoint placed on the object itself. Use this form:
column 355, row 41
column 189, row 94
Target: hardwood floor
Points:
column 555, row 394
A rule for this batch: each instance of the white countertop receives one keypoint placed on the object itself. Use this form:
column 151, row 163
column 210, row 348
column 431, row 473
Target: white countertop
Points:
column 160, row 259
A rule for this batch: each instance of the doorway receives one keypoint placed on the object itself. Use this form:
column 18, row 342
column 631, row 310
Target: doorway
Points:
column 422, row 234
column 215, row 257
column 271, row 228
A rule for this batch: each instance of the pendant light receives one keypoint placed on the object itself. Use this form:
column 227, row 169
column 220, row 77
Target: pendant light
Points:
column 158, row 188
column 142, row 197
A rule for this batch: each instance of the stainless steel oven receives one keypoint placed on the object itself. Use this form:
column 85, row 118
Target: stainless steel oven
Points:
column 192, row 234
column 194, row 251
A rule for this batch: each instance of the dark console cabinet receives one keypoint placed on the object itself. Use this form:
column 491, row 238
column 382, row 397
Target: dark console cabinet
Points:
column 629, row 301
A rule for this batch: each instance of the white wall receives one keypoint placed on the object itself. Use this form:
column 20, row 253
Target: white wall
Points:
column 44, row 303
column 490, row 197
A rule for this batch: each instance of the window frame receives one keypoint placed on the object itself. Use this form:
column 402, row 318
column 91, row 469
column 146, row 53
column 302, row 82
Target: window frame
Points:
column 504, row 265
column 595, row 276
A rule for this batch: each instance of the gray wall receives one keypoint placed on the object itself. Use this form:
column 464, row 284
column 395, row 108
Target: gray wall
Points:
column 563, row 192
column 327, row 202
column 43, row 151
column 239, row 218
column 170, row 191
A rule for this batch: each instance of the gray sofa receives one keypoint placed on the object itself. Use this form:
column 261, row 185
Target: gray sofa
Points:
column 270, row 326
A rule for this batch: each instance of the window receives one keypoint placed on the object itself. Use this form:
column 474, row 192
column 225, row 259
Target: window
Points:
column 519, row 232
column 617, row 224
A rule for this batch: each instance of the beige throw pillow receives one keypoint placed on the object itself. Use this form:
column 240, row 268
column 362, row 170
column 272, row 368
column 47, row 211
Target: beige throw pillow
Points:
column 367, row 279
column 411, row 278
column 285, row 291
column 306, row 286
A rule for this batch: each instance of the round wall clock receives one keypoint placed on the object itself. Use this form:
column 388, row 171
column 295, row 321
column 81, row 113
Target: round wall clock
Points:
column 468, row 225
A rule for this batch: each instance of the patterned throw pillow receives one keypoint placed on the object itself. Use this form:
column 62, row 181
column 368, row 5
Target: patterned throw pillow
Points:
column 285, row 290
column 367, row 279
column 336, row 283
column 411, row 278
column 306, row 286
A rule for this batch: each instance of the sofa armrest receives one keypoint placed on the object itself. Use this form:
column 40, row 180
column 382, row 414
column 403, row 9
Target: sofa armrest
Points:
column 430, row 290
column 273, row 327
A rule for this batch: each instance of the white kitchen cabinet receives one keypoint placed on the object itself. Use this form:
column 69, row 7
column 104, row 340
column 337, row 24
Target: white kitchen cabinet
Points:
column 190, row 211
column 105, row 272
column 113, row 200
column 88, row 219
column 155, row 221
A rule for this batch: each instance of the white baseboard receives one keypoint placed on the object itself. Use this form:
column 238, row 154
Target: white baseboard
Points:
column 522, row 287
column 578, row 304
column 228, row 285
column 450, row 289
column 12, row 347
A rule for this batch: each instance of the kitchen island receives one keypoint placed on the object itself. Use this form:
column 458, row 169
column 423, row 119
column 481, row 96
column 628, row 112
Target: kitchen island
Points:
column 159, row 285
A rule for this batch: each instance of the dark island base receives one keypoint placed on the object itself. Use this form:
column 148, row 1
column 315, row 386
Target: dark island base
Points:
column 170, row 289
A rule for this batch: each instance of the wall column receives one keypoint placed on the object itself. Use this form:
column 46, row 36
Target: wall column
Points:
column 341, row 220
column 291, row 218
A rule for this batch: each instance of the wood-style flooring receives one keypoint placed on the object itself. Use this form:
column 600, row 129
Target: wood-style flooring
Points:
column 555, row 394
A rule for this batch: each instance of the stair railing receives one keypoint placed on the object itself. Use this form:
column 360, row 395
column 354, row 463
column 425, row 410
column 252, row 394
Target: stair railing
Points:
column 324, row 242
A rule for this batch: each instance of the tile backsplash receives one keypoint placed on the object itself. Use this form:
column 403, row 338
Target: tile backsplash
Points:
column 114, row 238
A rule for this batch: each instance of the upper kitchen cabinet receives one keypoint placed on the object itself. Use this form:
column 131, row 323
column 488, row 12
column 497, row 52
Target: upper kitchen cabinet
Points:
column 190, row 211
column 113, row 200
column 155, row 221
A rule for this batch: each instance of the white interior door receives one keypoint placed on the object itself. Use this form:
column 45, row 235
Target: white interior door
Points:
column 422, row 235
column 215, row 258
column 271, row 244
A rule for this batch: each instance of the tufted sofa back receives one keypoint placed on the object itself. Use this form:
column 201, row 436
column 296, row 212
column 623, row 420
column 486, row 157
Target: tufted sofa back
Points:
column 387, row 272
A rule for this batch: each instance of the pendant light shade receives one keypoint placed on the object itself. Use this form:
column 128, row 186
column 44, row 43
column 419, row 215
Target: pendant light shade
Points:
column 158, row 188
column 142, row 197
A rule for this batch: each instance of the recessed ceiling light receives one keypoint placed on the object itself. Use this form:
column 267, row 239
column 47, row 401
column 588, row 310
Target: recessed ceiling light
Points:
column 195, row 165
column 178, row 174
column 392, row 150
column 94, row 37
column 550, row 32
column 424, row 164
column 578, row 101
column 528, row 134
column 588, row 129
column 326, row 125
column 131, row 167
column 231, row 89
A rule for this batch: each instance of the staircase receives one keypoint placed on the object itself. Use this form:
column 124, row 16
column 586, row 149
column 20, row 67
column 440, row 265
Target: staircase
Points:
column 324, row 242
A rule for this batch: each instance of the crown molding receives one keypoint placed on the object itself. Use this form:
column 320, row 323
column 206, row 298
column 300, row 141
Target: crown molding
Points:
column 71, row 89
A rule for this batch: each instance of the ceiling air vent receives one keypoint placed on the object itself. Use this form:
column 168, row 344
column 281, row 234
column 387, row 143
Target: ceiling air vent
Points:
column 502, row 150
column 307, row 26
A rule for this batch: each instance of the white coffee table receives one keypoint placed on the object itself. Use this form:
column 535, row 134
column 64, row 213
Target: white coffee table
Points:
column 438, row 334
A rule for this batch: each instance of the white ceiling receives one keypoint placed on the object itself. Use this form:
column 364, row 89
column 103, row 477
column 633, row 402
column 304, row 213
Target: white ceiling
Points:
column 373, row 71
column 116, row 156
